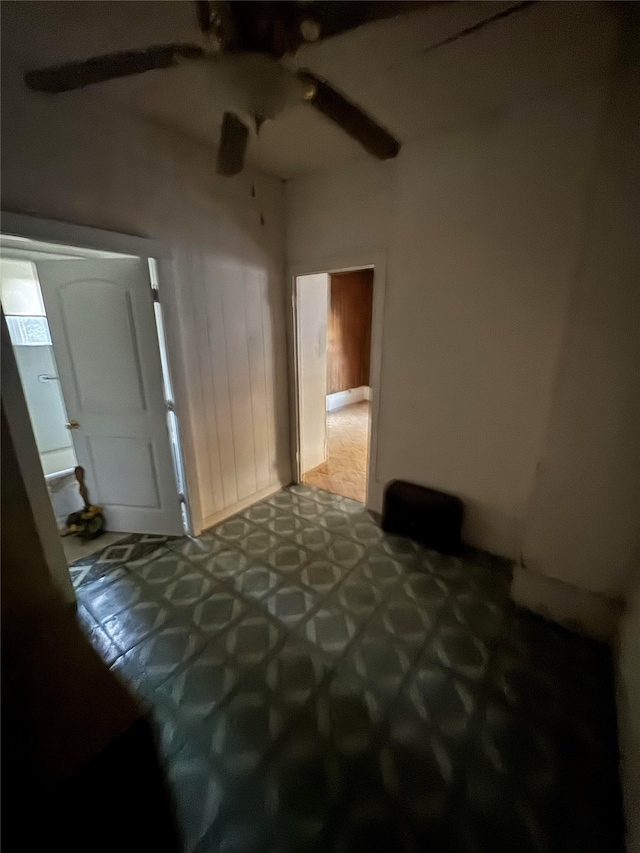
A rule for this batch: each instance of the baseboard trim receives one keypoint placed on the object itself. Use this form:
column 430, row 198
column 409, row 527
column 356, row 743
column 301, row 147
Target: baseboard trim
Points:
column 227, row 512
column 345, row 398
column 581, row 610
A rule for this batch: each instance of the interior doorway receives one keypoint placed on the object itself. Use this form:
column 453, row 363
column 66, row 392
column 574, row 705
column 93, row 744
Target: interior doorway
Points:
column 333, row 352
column 86, row 333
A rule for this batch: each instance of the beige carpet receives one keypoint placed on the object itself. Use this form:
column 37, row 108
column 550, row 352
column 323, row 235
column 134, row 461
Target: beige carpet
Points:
column 345, row 471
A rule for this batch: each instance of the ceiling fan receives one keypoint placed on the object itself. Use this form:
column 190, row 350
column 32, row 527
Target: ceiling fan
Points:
column 258, row 33
column 264, row 28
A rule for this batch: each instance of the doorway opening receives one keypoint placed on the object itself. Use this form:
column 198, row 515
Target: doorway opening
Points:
column 87, row 335
column 333, row 353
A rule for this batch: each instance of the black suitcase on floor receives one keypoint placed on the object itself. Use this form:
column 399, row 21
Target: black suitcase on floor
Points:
column 430, row 517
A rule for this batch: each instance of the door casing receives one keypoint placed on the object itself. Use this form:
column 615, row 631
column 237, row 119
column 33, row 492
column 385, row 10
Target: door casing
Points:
column 82, row 236
column 378, row 262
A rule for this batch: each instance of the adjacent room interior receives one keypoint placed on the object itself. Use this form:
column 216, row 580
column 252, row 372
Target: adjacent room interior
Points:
column 334, row 316
column 87, row 337
column 362, row 251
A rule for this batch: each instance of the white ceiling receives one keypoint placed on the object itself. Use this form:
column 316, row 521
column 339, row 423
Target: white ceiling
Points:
column 382, row 66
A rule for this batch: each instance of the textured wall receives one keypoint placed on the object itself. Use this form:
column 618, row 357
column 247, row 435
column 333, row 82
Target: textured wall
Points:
column 584, row 516
column 481, row 229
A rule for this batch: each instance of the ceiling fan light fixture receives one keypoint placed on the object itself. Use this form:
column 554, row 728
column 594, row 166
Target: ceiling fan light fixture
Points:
column 310, row 30
column 309, row 91
column 216, row 22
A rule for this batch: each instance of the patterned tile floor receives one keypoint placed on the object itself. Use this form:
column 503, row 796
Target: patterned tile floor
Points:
column 321, row 686
column 345, row 471
column 75, row 549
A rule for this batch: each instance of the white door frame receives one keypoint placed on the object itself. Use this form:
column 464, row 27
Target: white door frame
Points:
column 377, row 261
column 19, row 423
column 85, row 237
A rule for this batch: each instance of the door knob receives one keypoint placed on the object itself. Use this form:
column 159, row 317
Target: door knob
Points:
column 73, row 425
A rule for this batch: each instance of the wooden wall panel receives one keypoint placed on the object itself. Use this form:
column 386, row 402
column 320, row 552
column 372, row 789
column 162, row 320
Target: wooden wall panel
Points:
column 349, row 330
column 231, row 305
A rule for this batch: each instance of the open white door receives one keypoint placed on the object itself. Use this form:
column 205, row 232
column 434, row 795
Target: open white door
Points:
column 104, row 337
column 312, row 302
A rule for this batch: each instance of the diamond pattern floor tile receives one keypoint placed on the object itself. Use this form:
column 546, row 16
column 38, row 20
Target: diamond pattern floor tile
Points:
column 225, row 564
column 335, row 520
column 170, row 725
column 202, row 685
column 290, row 604
column 318, row 685
column 321, row 576
column 330, row 629
column 306, row 779
column 243, row 821
column 257, row 581
column 358, row 596
column 188, row 589
column 106, row 601
column 134, row 548
column 198, row 550
column 312, row 537
column 234, row 530
column 408, row 622
column 344, row 552
column 381, row 571
column 218, row 611
column 283, row 524
column 153, row 660
column 252, row 639
column 295, row 672
column 290, row 500
column 244, row 729
column 198, row 790
column 135, row 623
column 87, row 578
column 377, row 656
column 87, row 572
column 163, row 568
column 287, row 557
column 101, row 642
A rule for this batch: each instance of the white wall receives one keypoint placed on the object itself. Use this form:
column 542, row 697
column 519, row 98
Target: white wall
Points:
column 482, row 227
column 312, row 303
column 44, row 399
column 584, row 519
column 629, row 717
column 78, row 159
column 340, row 213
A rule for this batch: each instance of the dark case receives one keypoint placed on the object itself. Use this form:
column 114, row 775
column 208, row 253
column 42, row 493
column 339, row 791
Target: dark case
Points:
column 430, row 517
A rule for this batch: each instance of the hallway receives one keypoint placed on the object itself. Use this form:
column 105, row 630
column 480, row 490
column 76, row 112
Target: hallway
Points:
column 345, row 470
